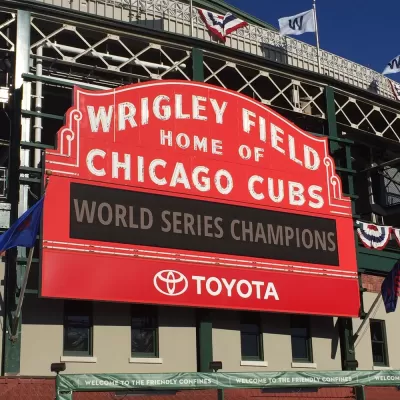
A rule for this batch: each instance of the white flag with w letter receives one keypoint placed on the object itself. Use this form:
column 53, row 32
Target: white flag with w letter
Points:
column 297, row 24
column 392, row 66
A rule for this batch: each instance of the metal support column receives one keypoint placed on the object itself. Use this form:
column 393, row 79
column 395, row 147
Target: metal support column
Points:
column 204, row 341
column 18, row 193
column 11, row 350
column 359, row 392
column 345, row 325
column 197, row 65
column 204, row 322
column 349, row 362
column 38, row 105
column 331, row 117
column 22, row 67
column 371, row 190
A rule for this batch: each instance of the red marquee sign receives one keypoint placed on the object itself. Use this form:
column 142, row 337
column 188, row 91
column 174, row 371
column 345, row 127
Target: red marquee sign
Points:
column 183, row 193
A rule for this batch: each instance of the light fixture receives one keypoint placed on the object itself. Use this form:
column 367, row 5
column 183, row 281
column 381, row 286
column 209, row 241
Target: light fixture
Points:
column 215, row 365
column 57, row 367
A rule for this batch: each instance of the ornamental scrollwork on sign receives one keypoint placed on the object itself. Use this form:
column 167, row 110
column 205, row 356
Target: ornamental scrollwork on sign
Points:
column 66, row 157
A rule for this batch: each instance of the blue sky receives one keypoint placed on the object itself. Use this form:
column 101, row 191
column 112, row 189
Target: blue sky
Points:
column 364, row 31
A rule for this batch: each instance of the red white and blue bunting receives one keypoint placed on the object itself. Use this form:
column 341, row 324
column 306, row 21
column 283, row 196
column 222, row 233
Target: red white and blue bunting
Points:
column 375, row 236
column 221, row 25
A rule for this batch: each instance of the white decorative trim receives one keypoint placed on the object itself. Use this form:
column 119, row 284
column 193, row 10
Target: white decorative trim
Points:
column 378, row 368
column 209, row 260
column 145, row 360
column 78, row 359
column 70, row 133
column 304, row 365
column 250, row 363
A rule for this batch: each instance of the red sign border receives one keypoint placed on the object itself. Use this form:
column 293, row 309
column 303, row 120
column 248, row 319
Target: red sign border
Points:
column 333, row 179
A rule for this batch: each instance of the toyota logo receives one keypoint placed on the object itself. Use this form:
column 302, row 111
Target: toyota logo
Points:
column 170, row 283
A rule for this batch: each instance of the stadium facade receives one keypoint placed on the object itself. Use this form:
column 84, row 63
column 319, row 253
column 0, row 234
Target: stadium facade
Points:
column 92, row 317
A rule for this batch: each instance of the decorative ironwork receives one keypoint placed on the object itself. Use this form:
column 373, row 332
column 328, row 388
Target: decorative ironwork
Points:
column 267, row 87
column 367, row 116
column 7, row 48
column 7, row 34
column 174, row 16
column 391, row 181
column 104, row 57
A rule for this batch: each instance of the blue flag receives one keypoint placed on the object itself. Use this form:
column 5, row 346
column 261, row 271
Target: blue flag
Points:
column 23, row 232
column 390, row 288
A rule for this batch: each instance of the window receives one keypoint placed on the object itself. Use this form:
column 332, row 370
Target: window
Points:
column 301, row 339
column 77, row 328
column 379, row 343
column 251, row 337
column 144, row 331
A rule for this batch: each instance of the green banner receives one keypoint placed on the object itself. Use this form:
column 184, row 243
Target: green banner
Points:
column 223, row 380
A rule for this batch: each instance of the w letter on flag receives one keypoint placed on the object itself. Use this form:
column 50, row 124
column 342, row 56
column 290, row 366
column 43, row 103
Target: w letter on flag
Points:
column 297, row 24
column 393, row 66
column 221, row 25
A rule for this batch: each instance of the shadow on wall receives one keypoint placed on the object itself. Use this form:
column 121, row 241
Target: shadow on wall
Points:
column 335, row 339
column 41, row 311
column 374, row 87
column 275, row 53
column 36, row 311
column 279, row 324
column 157, row 24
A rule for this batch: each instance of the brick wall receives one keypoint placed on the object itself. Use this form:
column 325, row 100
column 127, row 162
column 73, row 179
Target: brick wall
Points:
column 44, row 389
column 371, row 283
column 385, row 393
column 27, row 389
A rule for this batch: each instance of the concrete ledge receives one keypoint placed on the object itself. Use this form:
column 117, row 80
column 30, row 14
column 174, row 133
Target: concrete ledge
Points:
column 145, row 360
column 78, row 359
column 304, row 365
column 249, row 363
column 379, row 368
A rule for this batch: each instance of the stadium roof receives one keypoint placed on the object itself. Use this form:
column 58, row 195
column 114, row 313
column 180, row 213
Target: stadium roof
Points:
column 222, row 7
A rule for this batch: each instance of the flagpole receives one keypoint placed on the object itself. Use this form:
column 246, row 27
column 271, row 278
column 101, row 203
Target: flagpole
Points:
column 22, row 293
column 191, row 17
column 17, row 314
column 317, row 36
column 355, row 336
